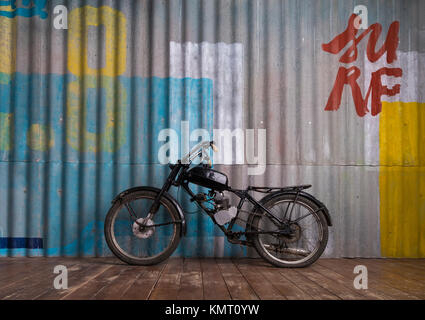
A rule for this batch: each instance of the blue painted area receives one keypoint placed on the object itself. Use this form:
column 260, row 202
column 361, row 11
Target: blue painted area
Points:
column 153, row 105
column 62, row 195
column 23, row 8
column 19, row 243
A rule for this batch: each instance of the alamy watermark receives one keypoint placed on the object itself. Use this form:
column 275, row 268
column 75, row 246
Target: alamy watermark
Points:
column 361, row 280
column 361, row 20
column 236, row 146
column 60, row 20
column 61, row 281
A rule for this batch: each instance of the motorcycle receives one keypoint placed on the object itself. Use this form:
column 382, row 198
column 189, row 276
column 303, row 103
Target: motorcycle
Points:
column 288, row 227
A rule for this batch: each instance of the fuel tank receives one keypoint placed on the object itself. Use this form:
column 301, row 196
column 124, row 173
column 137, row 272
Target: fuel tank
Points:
column 204, row 176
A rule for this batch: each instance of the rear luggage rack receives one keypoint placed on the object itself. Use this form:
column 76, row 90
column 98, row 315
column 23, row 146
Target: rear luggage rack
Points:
column 272, row 189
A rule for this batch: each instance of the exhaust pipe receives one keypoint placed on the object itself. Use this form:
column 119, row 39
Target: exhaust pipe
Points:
column 295, row 251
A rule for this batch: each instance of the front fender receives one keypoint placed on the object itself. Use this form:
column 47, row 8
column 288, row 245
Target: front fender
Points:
column 166, row 195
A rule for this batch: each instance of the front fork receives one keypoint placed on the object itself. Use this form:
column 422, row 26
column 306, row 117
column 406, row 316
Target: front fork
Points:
column 175, row 169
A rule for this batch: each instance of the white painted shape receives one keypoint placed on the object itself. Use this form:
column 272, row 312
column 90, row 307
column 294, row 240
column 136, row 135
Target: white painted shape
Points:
column 371, row 123
column 371, row 143
column 221, row 62
column 412, row 82
column 412, row 89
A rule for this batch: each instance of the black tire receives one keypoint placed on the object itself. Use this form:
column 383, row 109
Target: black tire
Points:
column 318, row 217
column 165, row 205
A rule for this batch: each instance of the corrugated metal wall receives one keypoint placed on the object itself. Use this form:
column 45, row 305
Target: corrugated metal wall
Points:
column 81, row 110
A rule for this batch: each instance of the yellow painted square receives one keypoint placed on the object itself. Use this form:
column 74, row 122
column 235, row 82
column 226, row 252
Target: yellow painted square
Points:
column 402, row 179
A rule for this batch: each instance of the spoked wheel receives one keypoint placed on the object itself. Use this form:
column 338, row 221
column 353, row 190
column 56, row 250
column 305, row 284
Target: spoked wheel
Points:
column 137, row 239
column 296, row 242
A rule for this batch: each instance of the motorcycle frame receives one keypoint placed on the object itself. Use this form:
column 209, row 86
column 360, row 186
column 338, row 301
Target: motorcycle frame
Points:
column 178, row 177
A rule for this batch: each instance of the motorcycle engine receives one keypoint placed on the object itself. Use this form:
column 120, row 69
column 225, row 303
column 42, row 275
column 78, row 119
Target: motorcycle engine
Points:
column 225, row 213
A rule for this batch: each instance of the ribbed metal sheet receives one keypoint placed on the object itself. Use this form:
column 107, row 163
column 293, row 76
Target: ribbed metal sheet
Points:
column 81, row 110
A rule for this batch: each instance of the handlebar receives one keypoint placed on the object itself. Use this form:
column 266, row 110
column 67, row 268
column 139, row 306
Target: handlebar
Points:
column 200, row 150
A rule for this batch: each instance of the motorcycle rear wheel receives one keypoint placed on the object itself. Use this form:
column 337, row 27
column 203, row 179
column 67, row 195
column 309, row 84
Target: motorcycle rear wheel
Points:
column 309, row 234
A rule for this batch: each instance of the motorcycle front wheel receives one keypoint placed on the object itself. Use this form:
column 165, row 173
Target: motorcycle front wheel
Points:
column 136, row 239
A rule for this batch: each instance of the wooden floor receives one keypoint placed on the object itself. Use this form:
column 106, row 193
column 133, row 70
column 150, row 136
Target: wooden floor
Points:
column 177, row 278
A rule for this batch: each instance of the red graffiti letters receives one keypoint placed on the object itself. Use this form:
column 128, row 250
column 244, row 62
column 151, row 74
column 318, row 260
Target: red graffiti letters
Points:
column 350, row 75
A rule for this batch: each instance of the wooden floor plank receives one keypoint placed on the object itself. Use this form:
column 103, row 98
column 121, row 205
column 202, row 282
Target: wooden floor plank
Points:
column 144, row 284
column 28, row 277
column 214, row 286
column 178, row 278
column 337, row 288
column 95, row 284
column 38, row 283
column 315, row 290
column 76, row 279
column 116, row 288
column 346, row 267
column 415, row 261
column 396, row 277
column 262, row 286
column 286, row 288
column 13, row 270
column 168, row 285
column 348, row 283
column 191, row 281
column 416, row 266
column 404, row 270
column 237, row 285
